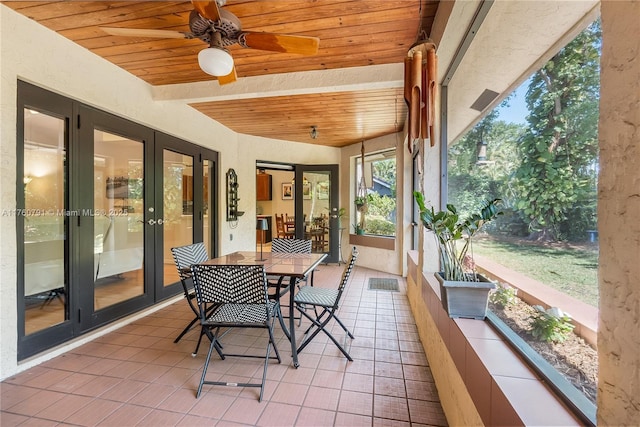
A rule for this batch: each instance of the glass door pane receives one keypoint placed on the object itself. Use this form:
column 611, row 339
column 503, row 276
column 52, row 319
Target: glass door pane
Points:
column 45, row 222
column 207, row 216
column 178, row 192
column 118, row 219
column 316, row 202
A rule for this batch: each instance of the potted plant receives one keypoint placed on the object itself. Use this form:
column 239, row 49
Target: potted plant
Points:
column 463, row 291
column 341, row 213
column 358, row 229
column 360, row 202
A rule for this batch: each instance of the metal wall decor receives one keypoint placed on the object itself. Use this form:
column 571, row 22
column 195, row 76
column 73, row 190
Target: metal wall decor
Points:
column 232, row 196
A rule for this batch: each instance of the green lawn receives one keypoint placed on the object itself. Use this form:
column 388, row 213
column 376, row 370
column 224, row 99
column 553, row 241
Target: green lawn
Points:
column 570, row 269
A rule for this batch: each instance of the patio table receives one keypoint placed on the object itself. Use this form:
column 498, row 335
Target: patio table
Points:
column 293, row 265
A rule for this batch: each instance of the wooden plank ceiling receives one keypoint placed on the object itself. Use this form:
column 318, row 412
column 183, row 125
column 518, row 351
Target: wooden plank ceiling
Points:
column 353, row 33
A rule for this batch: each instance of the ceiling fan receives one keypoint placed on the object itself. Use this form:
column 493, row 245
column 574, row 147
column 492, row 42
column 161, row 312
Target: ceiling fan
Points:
column 219, row 29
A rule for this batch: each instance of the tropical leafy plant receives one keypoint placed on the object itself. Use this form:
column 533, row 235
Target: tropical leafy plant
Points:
column 552, row 324
column 449, row 230
column 503, row 295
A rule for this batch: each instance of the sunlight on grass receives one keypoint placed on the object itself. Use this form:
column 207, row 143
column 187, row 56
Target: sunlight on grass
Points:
column 569, row 270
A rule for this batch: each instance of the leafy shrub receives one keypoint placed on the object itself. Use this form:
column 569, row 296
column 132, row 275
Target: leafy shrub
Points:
column 550, row 325
column 510, row 223
column 580, row 218
column 379, row 226
column 378, row 205
column 503, row 295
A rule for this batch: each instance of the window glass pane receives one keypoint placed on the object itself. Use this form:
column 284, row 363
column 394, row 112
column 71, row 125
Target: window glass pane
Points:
column 207, row 167
column 118, row 219
column 178, row 193
column 45, row 233
column 375, row 199
column 316, row 193
column 538, row 152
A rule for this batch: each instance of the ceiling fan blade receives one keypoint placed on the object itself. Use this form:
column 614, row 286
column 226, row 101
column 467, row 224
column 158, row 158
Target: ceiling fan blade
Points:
column 279, row 42
column 229, row 78
column 207, row 9
column 140, row 32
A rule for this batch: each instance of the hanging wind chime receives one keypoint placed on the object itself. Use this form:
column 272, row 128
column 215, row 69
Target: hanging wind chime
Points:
column 420, row 74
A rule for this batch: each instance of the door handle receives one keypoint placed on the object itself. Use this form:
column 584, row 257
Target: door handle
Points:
column 160, row 221
column 151, row 222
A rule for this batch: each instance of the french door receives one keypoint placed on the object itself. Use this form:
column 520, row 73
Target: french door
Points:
column 100, row 203
column 183, row 212
column 316, row 208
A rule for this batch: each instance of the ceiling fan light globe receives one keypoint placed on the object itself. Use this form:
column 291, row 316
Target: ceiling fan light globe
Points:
column 215, row 61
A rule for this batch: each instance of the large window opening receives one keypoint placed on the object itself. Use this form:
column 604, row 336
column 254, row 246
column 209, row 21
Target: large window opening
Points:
column 375, row 194
column 538, row 152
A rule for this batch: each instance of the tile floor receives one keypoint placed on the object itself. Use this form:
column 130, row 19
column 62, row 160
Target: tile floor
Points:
column 137, row 376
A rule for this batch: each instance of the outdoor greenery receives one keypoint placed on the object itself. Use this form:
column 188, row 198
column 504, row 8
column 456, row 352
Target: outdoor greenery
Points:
column 449, row 229
column 503, row 295
column 545, row 171
column 172, row 195
column 560, row 147
column 382, row 206
column 551, row 324
column 570, row 269
column 377, row 212
column 380, row 226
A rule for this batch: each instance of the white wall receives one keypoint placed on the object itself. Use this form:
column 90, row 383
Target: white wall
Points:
column 395, row 260
column 32, row 53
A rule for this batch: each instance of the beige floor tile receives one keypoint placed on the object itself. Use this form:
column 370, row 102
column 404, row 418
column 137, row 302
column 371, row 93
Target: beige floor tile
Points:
column 138, row 376
column 244, row 411
column 352, row 420
column 293, row 394
column 94, row 413
column 353, row 402
column 278, row 415
column 65, row 407
column 126, row 415
column 394, row 408
column 313, row 417
column 322, row 398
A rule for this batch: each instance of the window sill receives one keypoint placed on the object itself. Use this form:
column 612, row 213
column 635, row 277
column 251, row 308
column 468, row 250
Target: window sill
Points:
column 379, row 242
column 480, row 378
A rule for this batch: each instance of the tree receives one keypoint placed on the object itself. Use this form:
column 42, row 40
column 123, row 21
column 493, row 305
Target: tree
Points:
column 559, row 149
column 472, row 182
column 381, row 209
column 385, row 170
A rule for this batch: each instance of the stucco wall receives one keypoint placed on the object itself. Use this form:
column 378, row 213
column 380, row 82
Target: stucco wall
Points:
column 371, row 257
column 454, row 397
column 619, row 216
column 37, row 55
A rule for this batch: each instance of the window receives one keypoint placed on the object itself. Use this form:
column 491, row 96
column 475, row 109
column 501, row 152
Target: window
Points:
column 375, row 195
column 538, row 152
